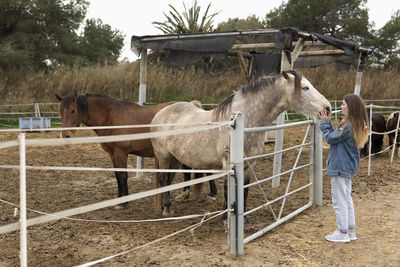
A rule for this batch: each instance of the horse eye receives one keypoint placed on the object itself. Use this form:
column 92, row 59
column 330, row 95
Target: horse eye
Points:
column 73, row 111
column 305, row 88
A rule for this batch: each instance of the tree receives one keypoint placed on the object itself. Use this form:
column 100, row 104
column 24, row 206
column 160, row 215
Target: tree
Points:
column 39, row 30
column 188, row 21
column 250, row 23
column 342, row 19
column 101, row 43
column 36, row 33
column 386, row 43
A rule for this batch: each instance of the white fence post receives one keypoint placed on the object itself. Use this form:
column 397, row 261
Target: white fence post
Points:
column 335, row 110
column 370, row 139
column 360, row 69
column 317, row 167
column 37, row 110
column 142, row 99
column 235, row 188
column 278, row 146
column 22, row 196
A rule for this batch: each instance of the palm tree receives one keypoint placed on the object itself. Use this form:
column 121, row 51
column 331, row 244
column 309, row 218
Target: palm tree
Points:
column 188, row 21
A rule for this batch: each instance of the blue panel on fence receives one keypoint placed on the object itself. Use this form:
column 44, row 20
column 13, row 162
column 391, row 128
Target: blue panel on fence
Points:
column 34, row 123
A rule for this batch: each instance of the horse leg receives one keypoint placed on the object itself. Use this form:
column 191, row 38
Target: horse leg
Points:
column 225, row 215
column 186, row 190
column 174, row 164
column 166, row 203
column 164, row 162
column 198, row 187
column 120, row 160
column 246, row 193
column 213, row 188
column 158, row 197
column 391, row 137
column 397, row 143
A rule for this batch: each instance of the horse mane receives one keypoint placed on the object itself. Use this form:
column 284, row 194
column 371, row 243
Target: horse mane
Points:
column 253, row 88
column 222, row 107
column 83, row 105
column 256, row 86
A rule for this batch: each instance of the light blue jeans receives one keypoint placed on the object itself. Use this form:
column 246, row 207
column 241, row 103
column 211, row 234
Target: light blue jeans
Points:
column 342, row 203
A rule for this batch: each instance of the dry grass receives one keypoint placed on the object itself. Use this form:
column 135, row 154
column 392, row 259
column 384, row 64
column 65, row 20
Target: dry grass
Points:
column 376, row 84
column 166, row 84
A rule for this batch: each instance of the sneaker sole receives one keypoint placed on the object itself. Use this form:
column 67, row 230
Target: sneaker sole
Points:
column 339, row 241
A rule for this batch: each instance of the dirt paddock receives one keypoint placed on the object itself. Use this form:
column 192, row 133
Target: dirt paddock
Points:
column 298, row 242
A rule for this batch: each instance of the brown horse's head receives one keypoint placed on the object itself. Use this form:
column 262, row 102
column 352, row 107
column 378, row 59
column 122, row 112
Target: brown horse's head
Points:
column 71, row 112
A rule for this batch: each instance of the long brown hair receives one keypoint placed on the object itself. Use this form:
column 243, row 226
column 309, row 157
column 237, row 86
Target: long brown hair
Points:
column 357, row 115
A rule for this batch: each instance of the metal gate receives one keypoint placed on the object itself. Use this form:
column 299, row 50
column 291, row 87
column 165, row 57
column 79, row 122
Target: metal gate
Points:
column 236, row 185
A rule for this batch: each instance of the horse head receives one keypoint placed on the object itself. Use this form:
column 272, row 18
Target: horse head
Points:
column 70, row 112
column 302, row 95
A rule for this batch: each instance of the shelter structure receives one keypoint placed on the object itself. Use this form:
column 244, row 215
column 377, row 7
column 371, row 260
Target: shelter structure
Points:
column 186, row 49
column 294, row 48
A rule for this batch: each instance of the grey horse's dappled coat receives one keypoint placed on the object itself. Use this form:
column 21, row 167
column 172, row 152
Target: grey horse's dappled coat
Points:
column 260, row 102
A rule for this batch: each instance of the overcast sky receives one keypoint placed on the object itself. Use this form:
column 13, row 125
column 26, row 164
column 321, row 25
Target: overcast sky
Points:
column 135, row 17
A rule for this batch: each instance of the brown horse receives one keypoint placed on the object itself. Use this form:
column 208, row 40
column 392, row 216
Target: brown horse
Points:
column 102, row 110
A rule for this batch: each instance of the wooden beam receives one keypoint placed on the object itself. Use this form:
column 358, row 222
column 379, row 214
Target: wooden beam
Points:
column 250, row 68
column 322, row 52
column 242, row 64
column 285, row 64
column 271, row 45
column 297, row 50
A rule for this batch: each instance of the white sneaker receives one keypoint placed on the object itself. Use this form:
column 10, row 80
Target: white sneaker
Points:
column 338, row 236
column 353, row 235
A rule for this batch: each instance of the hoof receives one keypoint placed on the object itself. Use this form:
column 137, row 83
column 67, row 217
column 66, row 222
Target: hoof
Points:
column 225, row 223
column 167, row 214
column 183, row 196
column 211, row 197
column 157, row 213
column 120, row 207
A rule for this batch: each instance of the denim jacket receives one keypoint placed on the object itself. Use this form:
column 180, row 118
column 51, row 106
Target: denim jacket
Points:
column 344, row 156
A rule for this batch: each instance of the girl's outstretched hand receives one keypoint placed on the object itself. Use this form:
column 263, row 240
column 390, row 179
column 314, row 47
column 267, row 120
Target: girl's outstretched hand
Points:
column 323, row 115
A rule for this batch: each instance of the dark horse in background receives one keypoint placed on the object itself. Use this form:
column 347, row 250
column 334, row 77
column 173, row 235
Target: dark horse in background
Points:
column 102, row 110
column 378, row 125
column 391, row 124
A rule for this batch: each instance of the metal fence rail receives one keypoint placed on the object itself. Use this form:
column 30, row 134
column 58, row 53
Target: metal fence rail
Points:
column 11, row 112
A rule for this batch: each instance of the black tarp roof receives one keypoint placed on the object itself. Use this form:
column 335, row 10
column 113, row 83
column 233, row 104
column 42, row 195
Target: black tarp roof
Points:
column 188, row 48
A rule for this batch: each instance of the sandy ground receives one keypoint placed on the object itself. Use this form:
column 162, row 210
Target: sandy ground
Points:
column 298, row 242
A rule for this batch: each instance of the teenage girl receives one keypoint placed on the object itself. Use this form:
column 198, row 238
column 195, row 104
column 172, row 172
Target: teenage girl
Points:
column 343, row 161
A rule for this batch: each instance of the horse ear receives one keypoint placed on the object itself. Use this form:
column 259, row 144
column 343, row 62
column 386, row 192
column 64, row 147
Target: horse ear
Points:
column 75, row 96
column 58, row 97
column 285, row 75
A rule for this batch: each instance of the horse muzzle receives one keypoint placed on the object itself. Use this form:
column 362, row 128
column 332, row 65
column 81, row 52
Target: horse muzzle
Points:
column 328, row 110
column 66, row 134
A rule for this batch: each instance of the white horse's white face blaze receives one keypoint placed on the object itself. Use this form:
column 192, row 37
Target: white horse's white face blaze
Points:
column 310, row 102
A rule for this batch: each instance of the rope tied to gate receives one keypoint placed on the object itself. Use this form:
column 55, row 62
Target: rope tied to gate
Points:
column 186, row 217
column 152, row 242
